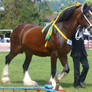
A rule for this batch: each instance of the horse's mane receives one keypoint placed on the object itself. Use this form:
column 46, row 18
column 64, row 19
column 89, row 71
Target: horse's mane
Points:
column 67, row 14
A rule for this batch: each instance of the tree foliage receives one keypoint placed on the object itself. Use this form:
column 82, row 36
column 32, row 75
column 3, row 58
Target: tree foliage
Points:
column 21, row 11
column 89, row 2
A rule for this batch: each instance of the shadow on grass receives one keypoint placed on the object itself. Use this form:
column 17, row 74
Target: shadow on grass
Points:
column 41, row 82
column 12, row 83
column 66, row 85
column 89, row 84
column 44, row 82
column 18, row 82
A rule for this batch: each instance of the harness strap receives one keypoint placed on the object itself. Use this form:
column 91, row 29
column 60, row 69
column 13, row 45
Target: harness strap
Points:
column 68, row 40
column 60, row 32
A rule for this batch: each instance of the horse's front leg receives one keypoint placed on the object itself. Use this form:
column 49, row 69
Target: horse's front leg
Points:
column 65, row 71
column 52, row 80
column 27, row 79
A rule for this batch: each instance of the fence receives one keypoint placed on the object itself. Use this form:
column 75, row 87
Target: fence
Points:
column 47, row 88
column 88, row 44
column 4, row 47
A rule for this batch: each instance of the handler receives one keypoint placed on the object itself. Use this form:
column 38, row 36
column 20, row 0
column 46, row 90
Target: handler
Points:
column 79, row 55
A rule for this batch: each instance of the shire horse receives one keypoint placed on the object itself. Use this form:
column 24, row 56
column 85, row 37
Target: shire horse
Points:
column 28, row 38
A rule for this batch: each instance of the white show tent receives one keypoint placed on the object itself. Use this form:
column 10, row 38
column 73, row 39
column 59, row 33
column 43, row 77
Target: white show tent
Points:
column 10, row 30
column 5, row 42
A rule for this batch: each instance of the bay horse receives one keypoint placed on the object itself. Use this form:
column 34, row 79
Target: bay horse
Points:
column 28, row 38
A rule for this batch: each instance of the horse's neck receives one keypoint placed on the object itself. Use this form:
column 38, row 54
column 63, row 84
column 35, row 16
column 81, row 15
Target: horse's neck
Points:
column 68, row 28
column 72, row 24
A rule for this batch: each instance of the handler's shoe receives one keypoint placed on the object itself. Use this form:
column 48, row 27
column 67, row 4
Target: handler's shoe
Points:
column 82, row 85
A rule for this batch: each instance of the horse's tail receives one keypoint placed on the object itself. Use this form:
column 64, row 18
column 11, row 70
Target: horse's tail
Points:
column 15, row 39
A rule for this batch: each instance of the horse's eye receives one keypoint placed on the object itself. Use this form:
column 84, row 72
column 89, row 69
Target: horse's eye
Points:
column 88, row 16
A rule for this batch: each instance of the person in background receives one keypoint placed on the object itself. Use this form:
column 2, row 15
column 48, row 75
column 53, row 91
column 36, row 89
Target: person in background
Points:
column 79, row 56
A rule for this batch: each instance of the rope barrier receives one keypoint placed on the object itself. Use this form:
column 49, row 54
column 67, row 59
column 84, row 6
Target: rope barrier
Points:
column 47, row 88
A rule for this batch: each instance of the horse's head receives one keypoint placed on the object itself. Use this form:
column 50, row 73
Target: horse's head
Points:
column 78, row 15
column 86, row 16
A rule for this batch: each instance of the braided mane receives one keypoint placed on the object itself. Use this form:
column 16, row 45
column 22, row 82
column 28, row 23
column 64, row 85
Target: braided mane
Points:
column 66, row 14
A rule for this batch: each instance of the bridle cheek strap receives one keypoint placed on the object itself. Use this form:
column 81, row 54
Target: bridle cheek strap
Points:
column 60, row 32
column 87, row 21
column 90, row 24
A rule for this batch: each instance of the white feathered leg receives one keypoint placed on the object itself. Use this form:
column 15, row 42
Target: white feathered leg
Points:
column 59, row 76
column 5, row 78
column 53, row 82
column 28, row 81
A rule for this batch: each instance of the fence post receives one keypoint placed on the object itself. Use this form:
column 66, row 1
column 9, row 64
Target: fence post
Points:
column 13, row 90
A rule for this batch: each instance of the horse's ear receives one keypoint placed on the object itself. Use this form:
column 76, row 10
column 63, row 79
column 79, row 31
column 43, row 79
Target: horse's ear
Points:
column 85, row 6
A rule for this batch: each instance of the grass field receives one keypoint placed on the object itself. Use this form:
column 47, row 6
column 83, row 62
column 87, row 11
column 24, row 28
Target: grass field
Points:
column 40, row 71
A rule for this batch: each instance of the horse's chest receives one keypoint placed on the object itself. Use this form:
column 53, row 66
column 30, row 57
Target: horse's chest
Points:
column 61, row 42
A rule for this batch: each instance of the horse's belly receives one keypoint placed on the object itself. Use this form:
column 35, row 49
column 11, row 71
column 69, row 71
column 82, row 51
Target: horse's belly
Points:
column 37, row 48
column 39, row 51
column 43, row 54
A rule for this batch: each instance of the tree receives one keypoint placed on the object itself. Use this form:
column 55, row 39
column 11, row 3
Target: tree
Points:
column 89, row 2
column 21, row 11
column 11, row 15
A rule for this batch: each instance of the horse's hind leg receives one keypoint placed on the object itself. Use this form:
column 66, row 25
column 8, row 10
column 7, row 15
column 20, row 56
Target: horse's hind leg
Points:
column 5, row 78
column 27, row 79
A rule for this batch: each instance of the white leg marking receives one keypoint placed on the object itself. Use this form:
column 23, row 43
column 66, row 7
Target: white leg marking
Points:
column 5, row 74
column 28, row 81
column 59, row 76
column 53, row 81
column 55, row 84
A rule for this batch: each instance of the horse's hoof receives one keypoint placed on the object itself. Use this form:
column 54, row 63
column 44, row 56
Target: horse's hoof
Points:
column 32, row 83
column 58, row 87
column 5, row 80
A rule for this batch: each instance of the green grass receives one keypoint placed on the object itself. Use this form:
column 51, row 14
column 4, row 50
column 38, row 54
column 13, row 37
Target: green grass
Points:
column 40, row 71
